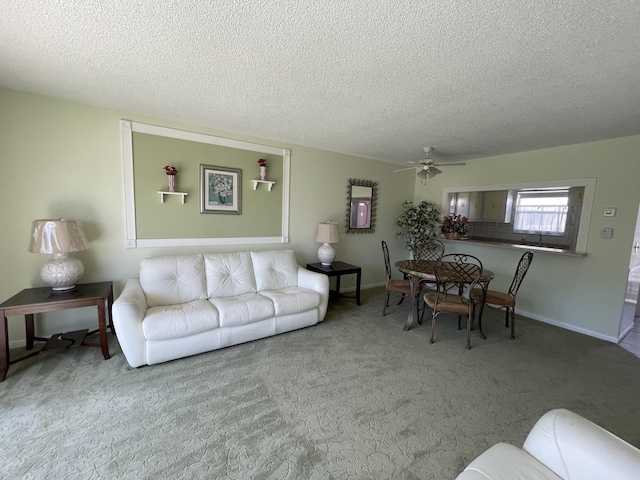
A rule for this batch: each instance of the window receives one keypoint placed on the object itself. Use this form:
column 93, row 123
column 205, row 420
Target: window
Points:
column 541, row 210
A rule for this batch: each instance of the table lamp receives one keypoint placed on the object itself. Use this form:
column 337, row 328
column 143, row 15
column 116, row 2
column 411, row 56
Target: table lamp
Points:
column 327, row 234
column 59, row 237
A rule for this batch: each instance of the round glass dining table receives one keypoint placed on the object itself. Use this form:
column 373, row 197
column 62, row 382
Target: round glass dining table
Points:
column 423, row 271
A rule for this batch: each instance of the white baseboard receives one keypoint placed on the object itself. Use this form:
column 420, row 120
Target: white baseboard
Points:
column 567, row 326
column 533, row 316
column 363, row 287
column 91, row 325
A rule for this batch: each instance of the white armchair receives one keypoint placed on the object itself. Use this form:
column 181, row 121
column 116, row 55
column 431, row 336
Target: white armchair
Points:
column 561, row 445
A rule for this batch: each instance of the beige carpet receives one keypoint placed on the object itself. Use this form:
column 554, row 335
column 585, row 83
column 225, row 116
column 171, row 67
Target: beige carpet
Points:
column 354, row 397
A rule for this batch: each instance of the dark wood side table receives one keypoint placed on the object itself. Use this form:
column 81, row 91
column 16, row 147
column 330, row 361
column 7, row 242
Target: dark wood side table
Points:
column 337, row 269
column 39, row 300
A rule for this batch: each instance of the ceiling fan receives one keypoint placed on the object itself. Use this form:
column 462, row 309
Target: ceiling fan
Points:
column 427, row 167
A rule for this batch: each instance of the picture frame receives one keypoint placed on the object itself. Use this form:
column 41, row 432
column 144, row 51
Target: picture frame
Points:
column 220, row 190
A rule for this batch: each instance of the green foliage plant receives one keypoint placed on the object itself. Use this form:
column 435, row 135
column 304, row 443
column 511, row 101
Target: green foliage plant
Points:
column 418, row 224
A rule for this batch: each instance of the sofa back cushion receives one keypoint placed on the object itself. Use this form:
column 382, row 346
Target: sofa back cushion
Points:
column 275, row 269
column 173, row 279
column 229, row 274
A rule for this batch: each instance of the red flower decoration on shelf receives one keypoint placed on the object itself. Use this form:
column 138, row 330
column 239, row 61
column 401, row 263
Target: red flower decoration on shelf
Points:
column 262, row 162
column 169, row 170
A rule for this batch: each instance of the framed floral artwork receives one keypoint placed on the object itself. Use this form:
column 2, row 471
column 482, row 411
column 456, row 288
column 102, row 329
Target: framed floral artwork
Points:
column 220, row 190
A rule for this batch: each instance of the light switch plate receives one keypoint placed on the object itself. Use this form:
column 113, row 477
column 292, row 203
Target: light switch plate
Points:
column 609, row 212
column 606, row 232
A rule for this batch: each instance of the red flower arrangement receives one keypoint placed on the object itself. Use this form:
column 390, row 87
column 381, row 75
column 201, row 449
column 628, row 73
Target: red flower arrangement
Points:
column 456, row 224
column 169, row 170
column 262, row 162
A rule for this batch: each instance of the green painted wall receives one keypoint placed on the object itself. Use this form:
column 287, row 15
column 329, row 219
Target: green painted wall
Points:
column 261, row 214
column 585, row 294
column 63, row 159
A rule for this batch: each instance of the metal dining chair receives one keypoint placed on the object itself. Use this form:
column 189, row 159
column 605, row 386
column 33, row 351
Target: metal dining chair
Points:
column 393, row 285
column 501, row 299
column 432, row 250
column 456, row 275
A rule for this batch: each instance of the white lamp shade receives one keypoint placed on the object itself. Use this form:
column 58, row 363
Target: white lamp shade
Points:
column 328, row 233
column 59, row 237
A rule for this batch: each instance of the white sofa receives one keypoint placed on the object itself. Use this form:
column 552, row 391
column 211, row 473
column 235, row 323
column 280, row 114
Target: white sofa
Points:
column 188, row 304
column 561, row 445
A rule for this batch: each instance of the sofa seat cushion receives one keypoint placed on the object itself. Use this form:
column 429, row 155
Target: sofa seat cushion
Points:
column 506, row 462
column 292, row 300
column 181, row 320
column 243, row 309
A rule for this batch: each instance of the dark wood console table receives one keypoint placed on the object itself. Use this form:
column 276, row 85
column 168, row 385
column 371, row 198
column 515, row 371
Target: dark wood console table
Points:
column 39, row 300
column 337, row 269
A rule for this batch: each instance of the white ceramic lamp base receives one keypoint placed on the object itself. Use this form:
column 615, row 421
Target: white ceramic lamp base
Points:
column 326, row 254
column 62, row 272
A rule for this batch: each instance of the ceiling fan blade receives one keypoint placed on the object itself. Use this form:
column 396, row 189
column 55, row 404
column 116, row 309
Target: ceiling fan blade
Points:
column 452, row 164
column 403, row 169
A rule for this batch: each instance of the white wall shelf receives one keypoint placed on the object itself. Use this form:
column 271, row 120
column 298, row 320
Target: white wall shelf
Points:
column 182, row 194
column 269, row 184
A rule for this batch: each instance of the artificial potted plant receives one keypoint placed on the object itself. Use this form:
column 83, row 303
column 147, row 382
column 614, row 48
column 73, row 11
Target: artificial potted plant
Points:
column 418, row 223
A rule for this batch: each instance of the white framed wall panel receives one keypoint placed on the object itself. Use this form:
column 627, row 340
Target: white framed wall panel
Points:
column 127, row 128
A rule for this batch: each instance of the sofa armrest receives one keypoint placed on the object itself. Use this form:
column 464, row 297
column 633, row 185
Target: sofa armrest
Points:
column 506, row 462
column 318, row 282
column 128, row 312
column 574, row 447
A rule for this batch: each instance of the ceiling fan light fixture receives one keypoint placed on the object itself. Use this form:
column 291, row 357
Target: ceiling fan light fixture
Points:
column 427, row 167
column 433, row 171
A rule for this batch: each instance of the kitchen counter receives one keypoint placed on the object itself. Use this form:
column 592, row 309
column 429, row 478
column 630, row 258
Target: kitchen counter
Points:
column 499, row 243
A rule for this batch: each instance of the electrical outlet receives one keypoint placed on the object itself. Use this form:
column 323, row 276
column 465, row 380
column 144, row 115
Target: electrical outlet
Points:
column 606, row 232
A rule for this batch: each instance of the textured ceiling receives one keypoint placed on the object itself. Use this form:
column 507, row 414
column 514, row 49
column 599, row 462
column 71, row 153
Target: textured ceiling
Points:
column 379, row 79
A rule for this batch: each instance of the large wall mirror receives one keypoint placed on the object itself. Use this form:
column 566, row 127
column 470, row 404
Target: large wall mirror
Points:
column 361, row 206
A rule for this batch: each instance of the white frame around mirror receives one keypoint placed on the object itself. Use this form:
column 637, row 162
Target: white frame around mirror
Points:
column 127, row 129
column 589, row 185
